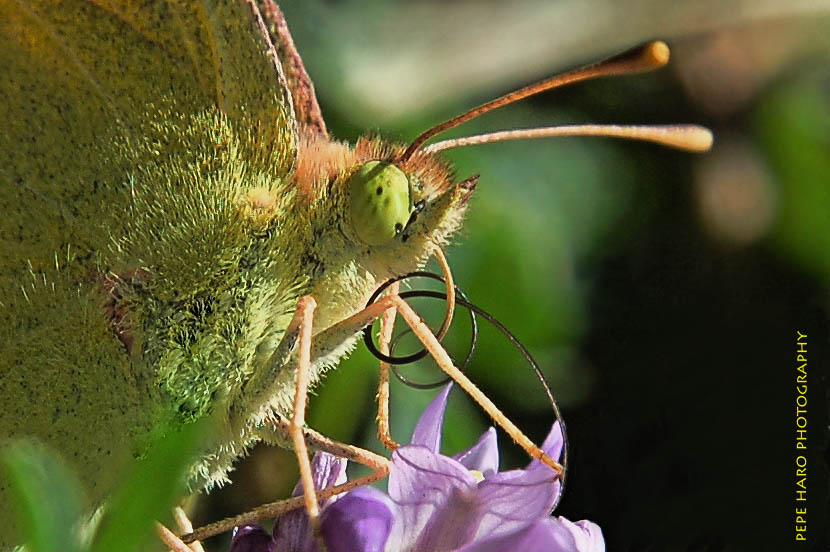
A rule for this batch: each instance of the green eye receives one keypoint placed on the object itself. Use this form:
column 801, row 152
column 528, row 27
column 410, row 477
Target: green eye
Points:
column 380, row 202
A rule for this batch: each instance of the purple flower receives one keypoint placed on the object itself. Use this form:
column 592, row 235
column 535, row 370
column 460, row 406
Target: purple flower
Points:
column 356, row 521
column 464, row 503
column 252, row 538
column 437, row 503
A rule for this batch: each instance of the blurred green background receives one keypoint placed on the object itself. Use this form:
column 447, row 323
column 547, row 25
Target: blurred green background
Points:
column 660, row 291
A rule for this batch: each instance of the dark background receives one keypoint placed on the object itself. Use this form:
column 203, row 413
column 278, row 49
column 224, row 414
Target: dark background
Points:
column 660, row 291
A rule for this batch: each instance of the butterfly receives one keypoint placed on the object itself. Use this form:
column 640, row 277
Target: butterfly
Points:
column 182, row 237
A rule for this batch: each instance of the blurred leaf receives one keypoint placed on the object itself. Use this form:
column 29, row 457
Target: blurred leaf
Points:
column 795, row 129
column 149, row 490
column 353, row 385
column 48, row 496
column 384, row 70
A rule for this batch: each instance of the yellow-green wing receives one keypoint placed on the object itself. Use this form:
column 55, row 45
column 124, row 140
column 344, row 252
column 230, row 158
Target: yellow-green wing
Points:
column 93, row 96
column 92, row 90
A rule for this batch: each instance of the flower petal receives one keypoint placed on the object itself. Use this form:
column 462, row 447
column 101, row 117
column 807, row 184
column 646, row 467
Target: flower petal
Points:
column 327, row 470
column 512, row 500
column 483, row 456
column 360, row 521
column 292, row 530
column 587, row 534
column 552, row 447
column 435, row 498
column 428, row 431
column 545, row 535
column 252, row 538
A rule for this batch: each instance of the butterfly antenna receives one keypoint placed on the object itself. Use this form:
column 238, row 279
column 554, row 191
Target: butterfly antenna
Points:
column 646, row 57
column 685, row 137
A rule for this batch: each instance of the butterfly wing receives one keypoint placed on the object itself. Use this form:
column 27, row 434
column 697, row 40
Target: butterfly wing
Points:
column 93, row 95
column 86, row 86
column 306, row 108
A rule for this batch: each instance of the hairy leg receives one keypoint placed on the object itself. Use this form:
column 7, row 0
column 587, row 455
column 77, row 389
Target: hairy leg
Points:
column 425, row 335
column 171, row 540
column 185, row 526
column 276, row 431
column 387, row 324
column 305, row 313
column 386, row 327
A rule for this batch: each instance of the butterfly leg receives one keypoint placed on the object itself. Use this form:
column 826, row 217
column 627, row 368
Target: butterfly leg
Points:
column 173, row 542
column 275, row 432
column 305, row 314
column 442, row 358
column 422, row 331
column 285, row 358
column 318, row 441
column 296, row 427
column 439, row 354
column 185, row 526
column 387, row 324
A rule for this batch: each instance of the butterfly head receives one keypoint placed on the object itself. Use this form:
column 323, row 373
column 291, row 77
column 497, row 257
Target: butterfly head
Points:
column 398, row 211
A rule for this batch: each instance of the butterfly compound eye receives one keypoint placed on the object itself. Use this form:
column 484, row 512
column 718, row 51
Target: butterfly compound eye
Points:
column 380, row 202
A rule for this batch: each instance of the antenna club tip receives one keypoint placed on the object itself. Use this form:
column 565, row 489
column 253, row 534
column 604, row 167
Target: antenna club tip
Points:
column 700, row 138
column 658, row 52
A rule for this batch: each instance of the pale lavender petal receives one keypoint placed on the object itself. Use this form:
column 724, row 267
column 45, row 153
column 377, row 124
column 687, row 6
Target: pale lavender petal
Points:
column 435, row 502
column 545, row 535
column 360, row 521
column 483, row 456
column 428, row 431
column 552, row 447
column 587, row 534
column 292, row 530
column 252, row 538
column 327, row 470
column 435, row 498
column 512, row 500
column 535, row 537
column 566, row 536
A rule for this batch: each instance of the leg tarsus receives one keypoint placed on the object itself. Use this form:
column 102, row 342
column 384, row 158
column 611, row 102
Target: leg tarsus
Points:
column 273, row 432
column 305, row 313
column 425, row 335
column 387, row 324
column 170, row 539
